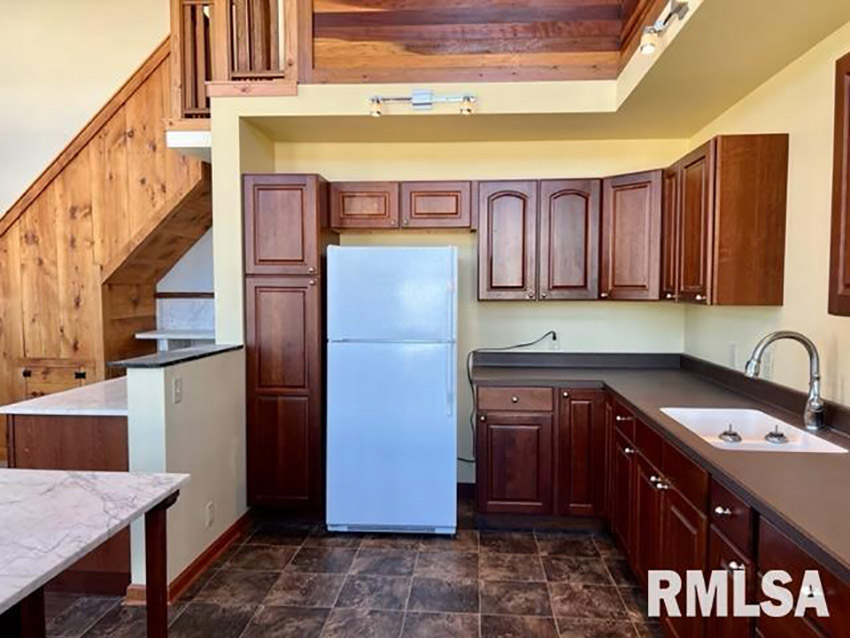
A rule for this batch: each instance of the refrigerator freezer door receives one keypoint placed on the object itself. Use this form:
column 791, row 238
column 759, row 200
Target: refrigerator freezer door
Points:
column 392, row 437
column 391, row 294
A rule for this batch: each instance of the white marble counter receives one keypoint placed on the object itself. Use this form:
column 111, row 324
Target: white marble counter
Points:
column 49, row 519
column 106, row 398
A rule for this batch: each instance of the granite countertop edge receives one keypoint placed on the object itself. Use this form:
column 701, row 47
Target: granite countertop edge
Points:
column 174, row 357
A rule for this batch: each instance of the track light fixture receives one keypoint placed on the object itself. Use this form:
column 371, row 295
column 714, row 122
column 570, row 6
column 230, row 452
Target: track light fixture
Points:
column 651, row 34
column 422, row 100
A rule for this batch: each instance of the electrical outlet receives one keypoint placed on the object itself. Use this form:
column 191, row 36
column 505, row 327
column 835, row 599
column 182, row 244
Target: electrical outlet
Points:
column 209, row 514
column 555, row 342
column 177, row 390
column 733, row 355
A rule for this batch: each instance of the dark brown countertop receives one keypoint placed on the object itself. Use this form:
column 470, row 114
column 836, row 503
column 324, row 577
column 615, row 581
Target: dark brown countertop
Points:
column 807, row 495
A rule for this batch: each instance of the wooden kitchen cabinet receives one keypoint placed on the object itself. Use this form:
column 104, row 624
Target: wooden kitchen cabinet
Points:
column 729, row 221
column 46, row 376
column 580, row 452
column 284, row 215
column 364, row 205
column 725, row 555
column 622, row 482
column 646, row 547
column 684, row 533
column 284, row 358
column 570, row 213
column 515, row 457
column 286, row 234
column 839, row 264
column 507, row 240
column 669, row 232
column 631, row 237
column 436, row 204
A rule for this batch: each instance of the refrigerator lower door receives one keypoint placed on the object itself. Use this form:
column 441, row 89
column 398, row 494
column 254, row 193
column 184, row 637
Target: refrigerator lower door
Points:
column 392, row 437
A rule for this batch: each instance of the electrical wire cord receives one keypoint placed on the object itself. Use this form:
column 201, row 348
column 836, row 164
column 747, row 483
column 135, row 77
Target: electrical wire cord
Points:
column 469, row 357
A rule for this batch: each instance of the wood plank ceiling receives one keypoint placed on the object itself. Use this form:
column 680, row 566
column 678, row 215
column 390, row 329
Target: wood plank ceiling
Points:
column 465, row 40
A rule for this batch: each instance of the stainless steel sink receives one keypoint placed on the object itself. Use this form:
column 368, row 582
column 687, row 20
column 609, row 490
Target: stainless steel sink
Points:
column 749, row 430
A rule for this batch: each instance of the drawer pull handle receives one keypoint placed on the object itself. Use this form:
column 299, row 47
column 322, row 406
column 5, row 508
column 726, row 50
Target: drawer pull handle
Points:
column 654, row 479
column 514, row 399
column 603, row 295
column 661, row 485
column 735, row 566
column 628, row 450
column 700, row 297
column 566, row 395
column 620, row 419
column 723, row 512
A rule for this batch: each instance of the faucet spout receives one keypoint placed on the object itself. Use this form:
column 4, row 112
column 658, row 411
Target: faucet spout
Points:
column 813, row 414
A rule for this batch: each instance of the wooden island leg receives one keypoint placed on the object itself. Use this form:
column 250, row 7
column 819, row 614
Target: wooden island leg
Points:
column 156, row 569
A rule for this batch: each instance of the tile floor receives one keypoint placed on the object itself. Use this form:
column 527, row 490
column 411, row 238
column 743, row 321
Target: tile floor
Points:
column 296, row 581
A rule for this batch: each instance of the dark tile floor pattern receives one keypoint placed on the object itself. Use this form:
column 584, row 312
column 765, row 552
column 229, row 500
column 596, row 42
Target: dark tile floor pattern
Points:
column 292, row 581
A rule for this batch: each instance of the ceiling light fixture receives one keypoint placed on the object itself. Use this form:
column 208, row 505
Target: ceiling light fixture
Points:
column 651, row 34
column 422, row 100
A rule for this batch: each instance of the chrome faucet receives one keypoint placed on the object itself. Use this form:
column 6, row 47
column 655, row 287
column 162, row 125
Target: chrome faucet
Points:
column 813, row 414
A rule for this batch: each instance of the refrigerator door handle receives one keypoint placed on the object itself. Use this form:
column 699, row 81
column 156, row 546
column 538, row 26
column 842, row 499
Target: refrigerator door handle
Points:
column 450, row 383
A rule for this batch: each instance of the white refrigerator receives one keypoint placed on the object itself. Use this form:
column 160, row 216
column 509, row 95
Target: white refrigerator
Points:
column 392, row 389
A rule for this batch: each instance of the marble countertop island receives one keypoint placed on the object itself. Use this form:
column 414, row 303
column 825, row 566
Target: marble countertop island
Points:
column 106, row 398
column 49, row 519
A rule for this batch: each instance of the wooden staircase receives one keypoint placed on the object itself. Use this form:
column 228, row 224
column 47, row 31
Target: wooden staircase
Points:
column 82, row 249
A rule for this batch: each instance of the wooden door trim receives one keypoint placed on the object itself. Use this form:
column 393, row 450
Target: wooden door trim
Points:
column 839, row 280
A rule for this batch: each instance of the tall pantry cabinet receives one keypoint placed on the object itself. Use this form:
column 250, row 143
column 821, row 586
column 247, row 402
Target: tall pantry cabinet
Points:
column 286, row 233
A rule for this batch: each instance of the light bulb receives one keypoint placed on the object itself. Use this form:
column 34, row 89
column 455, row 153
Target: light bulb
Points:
column 466, row 105
column 649, row 41
column 375, row 107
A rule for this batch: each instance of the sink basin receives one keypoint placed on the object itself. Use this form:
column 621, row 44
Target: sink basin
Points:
column 751, row 426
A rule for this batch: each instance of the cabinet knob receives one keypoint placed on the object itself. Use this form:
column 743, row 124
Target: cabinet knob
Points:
column 700, row 297
column 405, row 222
column 531, row 294
column 654, row 479
column 543, row 295
column 603, row 295
column 669, row 295
column 735, row 566
column 514, row 399
column 723, row 512
column 628, row 450
column 620, row 419
column 566, row 395
column 312, row 282
column 311, row 270
column 482, row 418
column 661, row 485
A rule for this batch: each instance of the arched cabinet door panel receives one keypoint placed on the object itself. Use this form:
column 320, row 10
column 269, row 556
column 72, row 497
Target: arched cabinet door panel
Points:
column 507, row 240
column 569, row 239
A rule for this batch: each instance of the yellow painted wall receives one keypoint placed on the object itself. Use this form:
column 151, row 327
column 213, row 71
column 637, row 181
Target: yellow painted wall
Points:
column 57, row 73
column 798, row 100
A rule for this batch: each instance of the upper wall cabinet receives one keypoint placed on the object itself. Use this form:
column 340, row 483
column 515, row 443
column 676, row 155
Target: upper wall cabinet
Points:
column 364, row 205
column 282, row 221
column 724, row 222
column 669, row 230
column 839, row 280
column 507, row 240
column 631, row 236
column 436, row 204
column 569, row 239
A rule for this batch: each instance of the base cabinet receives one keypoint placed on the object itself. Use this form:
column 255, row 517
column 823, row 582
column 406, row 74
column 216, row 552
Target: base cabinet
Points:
column 581, row 452
column 515, row 463
column 724, row 555
column 646, row 545
column 622, row 480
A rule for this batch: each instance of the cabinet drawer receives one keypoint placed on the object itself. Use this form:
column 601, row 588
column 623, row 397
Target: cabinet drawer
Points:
column 688, row 477
column 625, row 421
column 516, row 399
column 723, row 554
column 732, row 516
column 777, row 551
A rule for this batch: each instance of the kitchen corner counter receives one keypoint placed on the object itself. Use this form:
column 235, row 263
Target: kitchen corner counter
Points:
column 173, row 357
column 106, row 398
column 805, row 494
